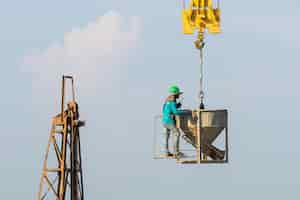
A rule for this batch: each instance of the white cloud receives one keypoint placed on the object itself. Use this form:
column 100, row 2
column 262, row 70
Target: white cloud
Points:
column 95, row 54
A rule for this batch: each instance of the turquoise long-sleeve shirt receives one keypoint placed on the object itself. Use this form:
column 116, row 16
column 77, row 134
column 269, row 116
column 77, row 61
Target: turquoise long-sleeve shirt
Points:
column 169, row 109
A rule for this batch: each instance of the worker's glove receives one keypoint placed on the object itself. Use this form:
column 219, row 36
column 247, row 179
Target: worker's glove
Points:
column 178, row 105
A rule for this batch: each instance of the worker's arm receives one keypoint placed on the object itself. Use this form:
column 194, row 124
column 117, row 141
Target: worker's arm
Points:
column 174, row 109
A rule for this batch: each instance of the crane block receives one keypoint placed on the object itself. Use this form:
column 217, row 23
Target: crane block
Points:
column 201, row 15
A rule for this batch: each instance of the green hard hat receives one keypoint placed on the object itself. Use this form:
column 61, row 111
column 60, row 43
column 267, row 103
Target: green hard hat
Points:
column 174, row 90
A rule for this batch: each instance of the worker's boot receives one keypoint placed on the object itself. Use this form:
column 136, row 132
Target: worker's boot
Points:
column 169, row 154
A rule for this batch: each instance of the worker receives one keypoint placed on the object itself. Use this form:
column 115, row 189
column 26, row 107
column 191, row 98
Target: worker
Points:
column 170, row 109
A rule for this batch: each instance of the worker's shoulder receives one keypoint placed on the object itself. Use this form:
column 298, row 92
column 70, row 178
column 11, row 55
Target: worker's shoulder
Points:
column 170, row 102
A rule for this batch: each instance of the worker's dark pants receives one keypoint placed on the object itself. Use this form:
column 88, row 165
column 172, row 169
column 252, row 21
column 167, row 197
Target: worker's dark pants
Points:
column 171, row 129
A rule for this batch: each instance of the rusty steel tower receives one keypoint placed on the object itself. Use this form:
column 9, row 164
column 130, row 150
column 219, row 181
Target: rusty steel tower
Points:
column 62, row 177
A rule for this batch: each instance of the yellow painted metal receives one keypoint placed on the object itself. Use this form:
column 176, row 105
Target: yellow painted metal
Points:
column 201, row 15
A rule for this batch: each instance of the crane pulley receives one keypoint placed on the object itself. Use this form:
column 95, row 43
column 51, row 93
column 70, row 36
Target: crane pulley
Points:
column 202, row 15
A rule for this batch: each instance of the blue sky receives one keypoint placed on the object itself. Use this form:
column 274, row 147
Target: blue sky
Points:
column 251, row 69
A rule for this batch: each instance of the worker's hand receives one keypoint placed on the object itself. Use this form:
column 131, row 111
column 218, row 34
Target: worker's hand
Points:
column 178, row 105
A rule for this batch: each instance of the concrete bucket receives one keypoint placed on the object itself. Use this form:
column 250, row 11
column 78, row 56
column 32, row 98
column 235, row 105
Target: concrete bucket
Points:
column 201, row 128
